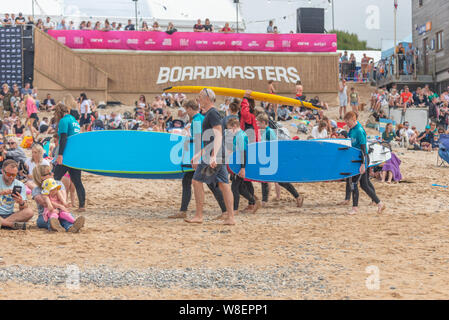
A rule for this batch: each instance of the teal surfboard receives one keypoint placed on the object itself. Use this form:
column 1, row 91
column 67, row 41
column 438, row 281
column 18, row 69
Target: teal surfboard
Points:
column 130, row 154
column 298, row 161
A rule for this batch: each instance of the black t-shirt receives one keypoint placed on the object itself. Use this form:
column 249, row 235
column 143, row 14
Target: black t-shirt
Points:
column 212, row 118
column 428, row 137
column 208, row 27
column 130, row 27
column 198, row 27
column 19, row 130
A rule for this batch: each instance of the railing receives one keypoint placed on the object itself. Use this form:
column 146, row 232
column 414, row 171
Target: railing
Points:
column 395, row 66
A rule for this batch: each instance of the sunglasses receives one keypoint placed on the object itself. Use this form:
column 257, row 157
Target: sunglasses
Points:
column 11, row 143
column 11, row 175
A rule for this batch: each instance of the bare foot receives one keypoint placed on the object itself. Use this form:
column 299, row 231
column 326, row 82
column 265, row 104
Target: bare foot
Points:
column 256, row 206
column 180, row 215
column 195, row 219
column 80, row 210
column 222, row 216
column 353, row 211
column 299, row 201
column 249, row 208
column 229, row 222
column 343, row 203
column 380, row 207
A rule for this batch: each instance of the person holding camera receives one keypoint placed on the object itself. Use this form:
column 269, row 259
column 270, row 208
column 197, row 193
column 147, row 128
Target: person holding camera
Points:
column 12, row 191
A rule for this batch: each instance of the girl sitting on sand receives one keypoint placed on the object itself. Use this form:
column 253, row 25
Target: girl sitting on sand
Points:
column 56, row 205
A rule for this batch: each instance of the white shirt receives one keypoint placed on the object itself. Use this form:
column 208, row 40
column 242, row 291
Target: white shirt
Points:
column 31, row 165
column 410, row 132
column 317, row 135
column 85, row 106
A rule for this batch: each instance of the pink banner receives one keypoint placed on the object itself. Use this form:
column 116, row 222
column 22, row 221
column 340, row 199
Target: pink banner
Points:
column 195, row 41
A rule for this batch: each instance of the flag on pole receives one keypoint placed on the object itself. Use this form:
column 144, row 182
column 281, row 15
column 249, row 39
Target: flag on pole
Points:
column 395, row 4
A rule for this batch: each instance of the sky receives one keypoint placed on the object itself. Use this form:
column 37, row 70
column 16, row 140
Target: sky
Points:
column 372, row 20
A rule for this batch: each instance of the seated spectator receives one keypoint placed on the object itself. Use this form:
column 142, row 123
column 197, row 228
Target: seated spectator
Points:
column 156, row 26
column 97, row 26
column 226, row 28
column 9, row 218
column 382, row 101
column 40, row 174
column 130, row 26
column 44, row 125
column 171, row 28
column 144, row 27
column 14, row 151
column 208, row 27
column 179, row 99
column 406, row 99
column 198, row 27
column 37, row 159
column 114, row 122
column 394, row 99
column 316, row 102
column 49, row 103
column 158, row 105
column 107, row 26
column 320, row 131
column 421, row 102
column 284, row 114
column 18, row 128
column 390, row 170
column 167, row 97
column 425, row 139
column 388, row 135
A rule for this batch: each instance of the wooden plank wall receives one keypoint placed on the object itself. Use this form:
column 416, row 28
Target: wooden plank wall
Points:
column 65, row 67
column 138, row 72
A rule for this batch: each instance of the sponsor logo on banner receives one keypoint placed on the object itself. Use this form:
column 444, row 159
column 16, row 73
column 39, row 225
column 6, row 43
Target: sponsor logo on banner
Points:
column 184, row 42
column 236, row 43
column 167, row 42
column 62, row 40
column 319, row 44
column 132, row 41
column 302, row 44
column 201, row 42
column 150, row 41
column 78, row 40
column 269, row 44
column 94, row 40
column 286, row 43
column 253, row 44
column 262, row 73
column 114, row 40
column 219, row 43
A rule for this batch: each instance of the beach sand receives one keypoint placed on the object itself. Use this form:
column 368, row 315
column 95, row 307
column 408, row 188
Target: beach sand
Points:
column 130, row 250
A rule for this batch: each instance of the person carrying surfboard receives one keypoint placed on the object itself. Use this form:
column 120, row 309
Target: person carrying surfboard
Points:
column 208, row 165
column 238, row 187
column 196, row 123
column 68, row 126
column 358, row 140
column 268, row 134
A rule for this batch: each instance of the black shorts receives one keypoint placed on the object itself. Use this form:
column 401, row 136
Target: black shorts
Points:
column 85, row 121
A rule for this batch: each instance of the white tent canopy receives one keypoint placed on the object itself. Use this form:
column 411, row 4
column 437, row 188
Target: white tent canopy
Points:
column 181, row 12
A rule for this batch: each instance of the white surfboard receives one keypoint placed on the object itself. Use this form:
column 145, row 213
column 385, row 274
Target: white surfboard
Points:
column 378, row 153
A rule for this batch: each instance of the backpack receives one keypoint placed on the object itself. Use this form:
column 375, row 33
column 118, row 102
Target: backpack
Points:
column 97, row 125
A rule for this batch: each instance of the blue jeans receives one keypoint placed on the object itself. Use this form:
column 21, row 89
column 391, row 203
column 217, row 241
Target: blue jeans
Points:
column 46, row 225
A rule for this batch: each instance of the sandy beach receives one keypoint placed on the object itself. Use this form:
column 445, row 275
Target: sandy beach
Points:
column 130, row 250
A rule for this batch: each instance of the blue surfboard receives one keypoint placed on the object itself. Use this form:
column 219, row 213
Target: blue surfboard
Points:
column 298, row 161
column 129, row 154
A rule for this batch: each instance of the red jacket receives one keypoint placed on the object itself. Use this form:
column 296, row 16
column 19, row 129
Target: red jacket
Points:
column 248, row 118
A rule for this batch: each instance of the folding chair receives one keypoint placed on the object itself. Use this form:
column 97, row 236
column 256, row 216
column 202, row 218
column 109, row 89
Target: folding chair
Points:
column 443, row 151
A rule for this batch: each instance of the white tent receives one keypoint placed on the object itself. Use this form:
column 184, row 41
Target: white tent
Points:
column 183, row 13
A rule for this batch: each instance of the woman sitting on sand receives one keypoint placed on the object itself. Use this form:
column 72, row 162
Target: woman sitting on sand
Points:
column 40, row 174
column 37, row 159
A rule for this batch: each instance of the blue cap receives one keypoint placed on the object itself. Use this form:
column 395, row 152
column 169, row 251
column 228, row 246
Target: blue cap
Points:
column 427, row 127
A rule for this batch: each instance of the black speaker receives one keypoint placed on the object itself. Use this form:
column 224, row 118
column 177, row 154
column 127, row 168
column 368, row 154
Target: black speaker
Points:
column 310, row 20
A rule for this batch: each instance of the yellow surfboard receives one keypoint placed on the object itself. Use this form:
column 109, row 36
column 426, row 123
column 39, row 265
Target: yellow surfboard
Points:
column 238, row 93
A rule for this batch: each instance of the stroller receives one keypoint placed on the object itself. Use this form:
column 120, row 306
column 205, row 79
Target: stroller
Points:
column 443, row 151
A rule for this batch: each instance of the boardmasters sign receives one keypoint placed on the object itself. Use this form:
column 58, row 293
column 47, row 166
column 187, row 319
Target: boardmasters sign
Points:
column 263, row 73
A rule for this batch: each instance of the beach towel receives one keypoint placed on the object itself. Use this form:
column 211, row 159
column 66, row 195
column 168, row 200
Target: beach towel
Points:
column 393, row 166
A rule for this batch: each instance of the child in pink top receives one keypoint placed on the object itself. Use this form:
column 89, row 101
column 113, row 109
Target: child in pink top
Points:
column 56, row 205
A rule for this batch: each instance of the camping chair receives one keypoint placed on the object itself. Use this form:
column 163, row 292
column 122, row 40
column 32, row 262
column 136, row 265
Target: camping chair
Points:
column 443, row 151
